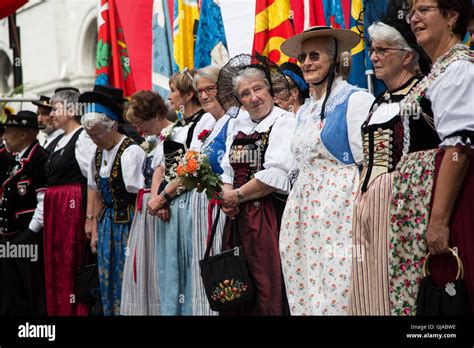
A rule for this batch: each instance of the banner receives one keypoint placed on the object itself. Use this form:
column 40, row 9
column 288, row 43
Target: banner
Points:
column 112, row 60
column 186, row 18
column 162, row 50
column 211, row 43
column 272, row 27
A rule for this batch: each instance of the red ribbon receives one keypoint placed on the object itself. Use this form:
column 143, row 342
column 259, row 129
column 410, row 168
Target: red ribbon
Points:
column 139, row 202
column 215, row 201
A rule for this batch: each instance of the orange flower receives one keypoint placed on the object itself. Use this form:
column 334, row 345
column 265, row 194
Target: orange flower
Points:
column 191, row 166
column 190, row 154
column 180, row 170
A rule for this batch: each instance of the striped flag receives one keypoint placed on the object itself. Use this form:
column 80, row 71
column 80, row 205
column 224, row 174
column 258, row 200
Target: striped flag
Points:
column 272, row 27
column 357, row 76
column 112, row 60
column 162, row 51
column 211, row 43
column 186, row 18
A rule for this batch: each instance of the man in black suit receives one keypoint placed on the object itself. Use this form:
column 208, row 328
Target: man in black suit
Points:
column 21, row 249
column 53, row 134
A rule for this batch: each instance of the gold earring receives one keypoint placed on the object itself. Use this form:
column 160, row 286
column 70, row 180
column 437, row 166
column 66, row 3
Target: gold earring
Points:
column 451, row 30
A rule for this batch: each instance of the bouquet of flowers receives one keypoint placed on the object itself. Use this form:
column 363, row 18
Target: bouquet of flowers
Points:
column 195, row 171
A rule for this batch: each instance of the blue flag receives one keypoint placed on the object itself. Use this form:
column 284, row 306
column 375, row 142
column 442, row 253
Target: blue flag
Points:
column 333, row 8
column 211, row 43
column 162, row 51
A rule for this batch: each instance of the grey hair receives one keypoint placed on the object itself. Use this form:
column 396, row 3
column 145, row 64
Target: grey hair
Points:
column 92, row 119
column 380, row 31
column 69, row 98
column 210, row 72
column 248, row 73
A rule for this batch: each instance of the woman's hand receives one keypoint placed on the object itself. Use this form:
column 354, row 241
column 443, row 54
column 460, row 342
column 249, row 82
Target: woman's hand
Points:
column 437, row 237
column 94, row 240
column 230, row 199
column 90, row 227
column 231, row 212
column 155, row 203
column 163, row 214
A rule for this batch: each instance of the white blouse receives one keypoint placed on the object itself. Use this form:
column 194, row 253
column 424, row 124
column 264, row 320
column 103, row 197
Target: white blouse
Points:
column 278, row 157
column 452, row 102
column 131, row 161
column 181, row 133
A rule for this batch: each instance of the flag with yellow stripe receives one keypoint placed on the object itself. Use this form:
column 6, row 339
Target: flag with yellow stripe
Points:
column 185, row 24
column 272, row 27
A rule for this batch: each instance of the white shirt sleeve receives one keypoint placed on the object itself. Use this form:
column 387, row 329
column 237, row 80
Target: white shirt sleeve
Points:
column 278, row 157
column 36, row 223
column 85, row 152
column 228, row 175
column 91, row 171
column 452, row 102
column 132, row 161
column 206, row 122
column 358, row 109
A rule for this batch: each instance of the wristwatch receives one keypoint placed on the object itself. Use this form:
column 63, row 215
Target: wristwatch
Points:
column 166, row 196
column 90, row 217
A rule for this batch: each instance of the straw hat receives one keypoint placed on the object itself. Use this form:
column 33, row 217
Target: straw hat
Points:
column 347, row 39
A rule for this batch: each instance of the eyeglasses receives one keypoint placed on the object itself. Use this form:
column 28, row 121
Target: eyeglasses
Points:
column 314, row 56
column 420, row 12
column 210, row 91
column 380, row 51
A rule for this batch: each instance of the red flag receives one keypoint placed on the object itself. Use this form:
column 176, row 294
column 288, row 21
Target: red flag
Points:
column 272, row 27
column 8, row 7
column 113, row 63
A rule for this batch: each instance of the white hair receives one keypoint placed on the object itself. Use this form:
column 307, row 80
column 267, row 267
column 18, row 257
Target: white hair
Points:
column 92, row 119
column 251, row 74
column 210, row 72
column 380, row 31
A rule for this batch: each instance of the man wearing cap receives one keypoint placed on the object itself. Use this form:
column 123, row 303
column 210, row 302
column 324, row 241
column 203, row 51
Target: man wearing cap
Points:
column 115, row 175
column 22, row 275
column 52, row 134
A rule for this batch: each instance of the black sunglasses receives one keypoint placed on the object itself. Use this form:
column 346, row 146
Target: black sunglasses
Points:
column 313, row 56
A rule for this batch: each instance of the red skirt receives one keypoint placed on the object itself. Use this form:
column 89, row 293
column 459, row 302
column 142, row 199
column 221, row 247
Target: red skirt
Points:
column 443, row 268
column 64, row 247
column 258, row 225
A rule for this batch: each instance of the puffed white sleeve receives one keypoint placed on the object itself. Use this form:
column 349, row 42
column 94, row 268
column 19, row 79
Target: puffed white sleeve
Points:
column 228, row 174
column 132, row 161
column 158, row 156
column 278, row 157
column 85, row 152
column 91, row 172
column 206, row 122
column 452, row 102
column 36, row 223
column 357, row 111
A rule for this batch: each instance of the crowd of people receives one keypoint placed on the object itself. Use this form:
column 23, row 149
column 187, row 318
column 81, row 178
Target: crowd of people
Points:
column 335, row 196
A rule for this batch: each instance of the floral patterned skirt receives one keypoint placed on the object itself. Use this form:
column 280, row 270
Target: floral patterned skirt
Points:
column 409, row 217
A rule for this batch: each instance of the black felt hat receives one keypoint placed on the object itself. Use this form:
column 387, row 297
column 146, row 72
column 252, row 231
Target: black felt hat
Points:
column 393, row 19
column 115, row 93
column 43, row 101
column 24, row 119
column 101, row 103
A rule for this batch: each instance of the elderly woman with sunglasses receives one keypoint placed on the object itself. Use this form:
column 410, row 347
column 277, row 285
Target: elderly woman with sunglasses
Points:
column 433, row 192
column 397, row 59
column 174, row 238
column 315, row 238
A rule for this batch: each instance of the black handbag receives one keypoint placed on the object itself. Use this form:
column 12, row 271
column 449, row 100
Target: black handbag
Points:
column 226, row 278
column 87, row 287
column 436, row 300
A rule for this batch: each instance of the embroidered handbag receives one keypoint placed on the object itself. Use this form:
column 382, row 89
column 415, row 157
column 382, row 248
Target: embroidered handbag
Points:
column 225, row 276
column 453, row 299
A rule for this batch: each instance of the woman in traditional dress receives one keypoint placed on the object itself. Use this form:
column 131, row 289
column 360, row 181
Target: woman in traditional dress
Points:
column 64, row 201
column 433, row 191
column 205, row 211
column 316, row 228
column 299, row 89
column 140, row 292
column 397, row 59
column 115, row 172
column 256, row 167
column 174, row 229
